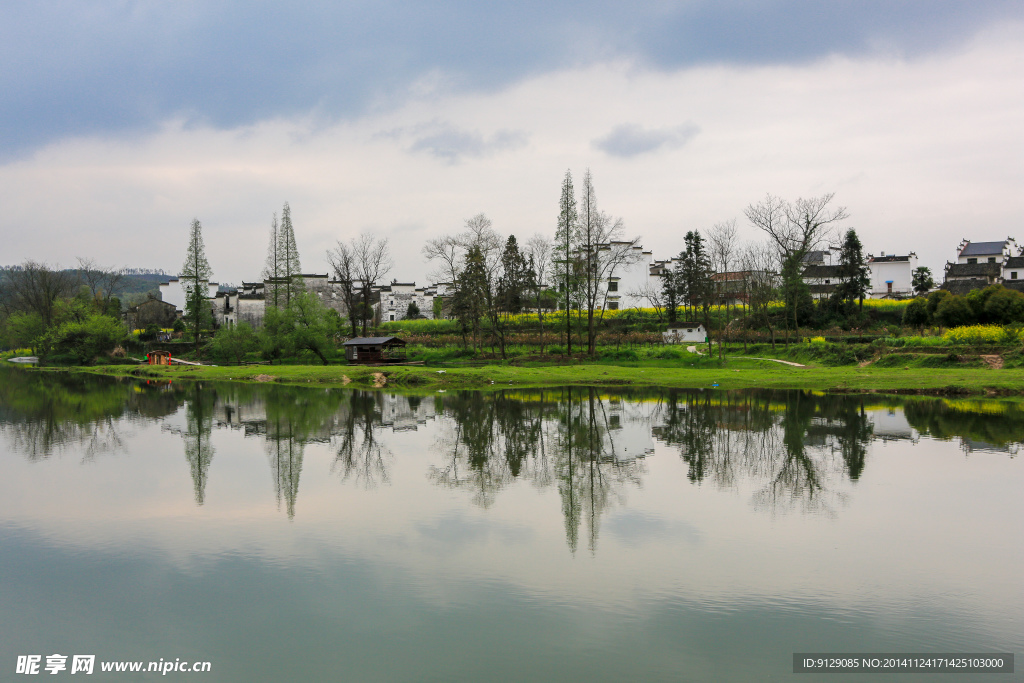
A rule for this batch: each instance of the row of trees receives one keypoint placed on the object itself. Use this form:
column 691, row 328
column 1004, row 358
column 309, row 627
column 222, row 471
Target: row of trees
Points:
column 72, row 312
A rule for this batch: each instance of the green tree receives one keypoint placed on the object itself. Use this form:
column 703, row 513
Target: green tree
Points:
column 916, row 313
column 671, row 291
column 472, row 294
column 234, row 342
column 854, row 275
column 921, row 280
column 934, row 299
column 696, row 271
column 566, row 244
column 314, row 325
column 513, row 288
column 1005, row 306
column 954, row 311
column 195, row 276
column 412, row 311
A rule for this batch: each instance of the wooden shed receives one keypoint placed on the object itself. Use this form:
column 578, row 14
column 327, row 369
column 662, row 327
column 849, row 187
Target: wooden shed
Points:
column 159, row 357
column 375, row 350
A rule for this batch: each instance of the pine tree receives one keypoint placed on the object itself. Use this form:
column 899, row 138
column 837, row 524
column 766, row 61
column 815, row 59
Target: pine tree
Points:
column 854, row 275
column 195, row 274
column 566, row 243
column 289, row 270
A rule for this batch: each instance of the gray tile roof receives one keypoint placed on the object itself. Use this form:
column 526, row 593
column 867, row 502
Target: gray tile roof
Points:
column 983, row 248
column 973, row 270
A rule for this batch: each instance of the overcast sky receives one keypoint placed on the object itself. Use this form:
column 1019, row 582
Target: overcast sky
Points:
column 120, row 121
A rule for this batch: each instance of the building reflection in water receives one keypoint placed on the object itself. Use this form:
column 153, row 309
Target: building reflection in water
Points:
column 791, row 448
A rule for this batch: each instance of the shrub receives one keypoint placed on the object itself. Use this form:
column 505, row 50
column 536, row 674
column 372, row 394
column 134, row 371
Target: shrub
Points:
column 83, row 341
column 982, row 335
column 954, row 311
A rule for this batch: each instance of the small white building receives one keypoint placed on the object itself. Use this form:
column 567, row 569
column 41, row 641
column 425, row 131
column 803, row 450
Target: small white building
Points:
column 892, row 276
column 683, row 332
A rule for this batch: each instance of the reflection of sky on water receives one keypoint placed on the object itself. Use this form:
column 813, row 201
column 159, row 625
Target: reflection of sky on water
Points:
column 912, row 552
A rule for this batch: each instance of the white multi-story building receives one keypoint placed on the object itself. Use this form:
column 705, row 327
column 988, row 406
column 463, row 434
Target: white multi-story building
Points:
column 892, row 275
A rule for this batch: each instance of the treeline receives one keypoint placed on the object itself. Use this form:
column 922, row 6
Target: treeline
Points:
column 72, row 314
column 994, row 305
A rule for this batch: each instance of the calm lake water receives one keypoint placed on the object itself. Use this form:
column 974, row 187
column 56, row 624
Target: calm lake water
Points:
column 293, row 534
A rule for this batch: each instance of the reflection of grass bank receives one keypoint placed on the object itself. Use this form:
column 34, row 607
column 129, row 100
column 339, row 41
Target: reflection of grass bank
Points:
column 735, row 374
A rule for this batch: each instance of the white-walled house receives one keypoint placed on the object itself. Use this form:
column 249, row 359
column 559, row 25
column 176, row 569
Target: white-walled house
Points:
column 627, row 283
column 892, row 275
column 683, row 332
column 173, row 292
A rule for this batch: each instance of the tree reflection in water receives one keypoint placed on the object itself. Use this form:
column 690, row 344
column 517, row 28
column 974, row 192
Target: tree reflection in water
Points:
column 360, row 455
column 792, row 448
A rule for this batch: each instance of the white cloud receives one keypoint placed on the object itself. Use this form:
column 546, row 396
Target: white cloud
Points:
column 922, row 152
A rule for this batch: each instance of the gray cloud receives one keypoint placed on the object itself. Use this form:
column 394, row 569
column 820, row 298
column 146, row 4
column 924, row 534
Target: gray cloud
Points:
column 630, row 139
column 452, row 144
column 100, row 68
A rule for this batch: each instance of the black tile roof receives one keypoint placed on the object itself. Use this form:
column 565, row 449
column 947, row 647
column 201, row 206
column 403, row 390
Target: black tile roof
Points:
column 973, row 270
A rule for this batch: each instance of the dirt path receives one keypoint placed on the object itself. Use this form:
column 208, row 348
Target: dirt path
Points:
column 775, row 360
column 993, row 361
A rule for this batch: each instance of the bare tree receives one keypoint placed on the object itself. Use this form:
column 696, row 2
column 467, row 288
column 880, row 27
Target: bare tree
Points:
column 760, row 263
column 449, row 253
column 539, row 250
column 723, row 240
column 100, row 280
column 602, row 251
column 372, row 262
column 795, row 229
column 36, row 288
column 343, row 262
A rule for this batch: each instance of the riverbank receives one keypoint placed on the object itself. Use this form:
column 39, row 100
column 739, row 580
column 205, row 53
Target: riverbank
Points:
column 736, row 374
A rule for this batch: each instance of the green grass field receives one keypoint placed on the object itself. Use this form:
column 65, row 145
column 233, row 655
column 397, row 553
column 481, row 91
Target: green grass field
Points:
column 734, row 374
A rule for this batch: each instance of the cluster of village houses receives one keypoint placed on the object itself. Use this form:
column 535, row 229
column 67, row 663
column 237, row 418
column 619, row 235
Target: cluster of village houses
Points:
column 977, row 265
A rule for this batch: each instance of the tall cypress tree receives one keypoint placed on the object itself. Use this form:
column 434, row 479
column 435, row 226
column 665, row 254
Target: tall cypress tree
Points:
column 566, row 243
column 290, row 271
column 195, row 274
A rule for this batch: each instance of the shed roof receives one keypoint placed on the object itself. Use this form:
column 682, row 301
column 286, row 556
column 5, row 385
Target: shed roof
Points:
column 677, row 325
column 983, row 248
column 373, row 341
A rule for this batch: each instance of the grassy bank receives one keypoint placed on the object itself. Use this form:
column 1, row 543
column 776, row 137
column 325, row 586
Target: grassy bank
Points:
column 734, row 374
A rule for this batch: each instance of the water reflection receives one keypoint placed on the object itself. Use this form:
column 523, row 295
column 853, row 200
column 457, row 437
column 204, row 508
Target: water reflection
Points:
column 791, row 449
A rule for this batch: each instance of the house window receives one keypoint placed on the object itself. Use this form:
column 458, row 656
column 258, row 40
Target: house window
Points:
column 690, row 330
column 1013, row 274
column 613, row 306
column 991, row 259
column 972, row 260
column 613, row 286
column 392, row 316
column 827, row 282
